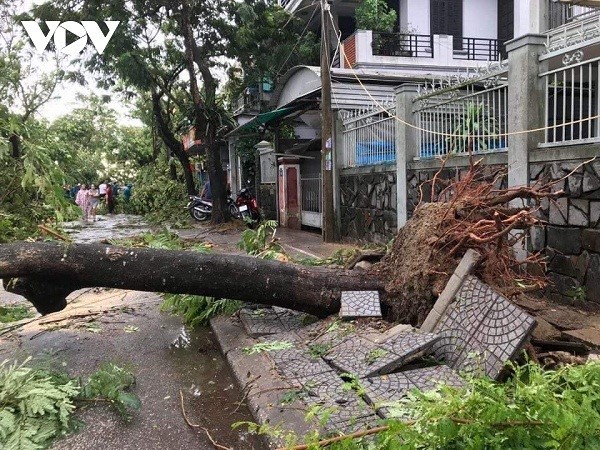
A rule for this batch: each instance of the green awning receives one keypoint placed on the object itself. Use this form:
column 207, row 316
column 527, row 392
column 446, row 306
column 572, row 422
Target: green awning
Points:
column 265, row 118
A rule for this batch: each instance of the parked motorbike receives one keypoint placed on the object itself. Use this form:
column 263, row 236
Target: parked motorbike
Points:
column 201, row 209
column 247, row 206
column 243, row 207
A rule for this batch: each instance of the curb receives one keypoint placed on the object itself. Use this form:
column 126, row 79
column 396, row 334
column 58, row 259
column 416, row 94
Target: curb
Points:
column 260, row 383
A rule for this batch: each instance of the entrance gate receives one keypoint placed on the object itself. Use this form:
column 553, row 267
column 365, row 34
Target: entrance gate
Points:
column 311, row 186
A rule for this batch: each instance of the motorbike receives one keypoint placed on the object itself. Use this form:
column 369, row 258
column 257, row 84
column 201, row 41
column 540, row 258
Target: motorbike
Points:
column 201, row 209
column 247, row 206
column 243, row 207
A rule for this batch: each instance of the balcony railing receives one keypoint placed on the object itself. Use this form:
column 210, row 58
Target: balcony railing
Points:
column 576, row 33
column 478, row 49
column 419, row 45
column 397, row 44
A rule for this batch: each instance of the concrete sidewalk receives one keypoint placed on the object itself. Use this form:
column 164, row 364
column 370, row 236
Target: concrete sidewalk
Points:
column 296, row 243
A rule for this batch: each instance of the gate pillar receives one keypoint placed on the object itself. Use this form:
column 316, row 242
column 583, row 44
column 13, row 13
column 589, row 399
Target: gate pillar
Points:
column 288, row 174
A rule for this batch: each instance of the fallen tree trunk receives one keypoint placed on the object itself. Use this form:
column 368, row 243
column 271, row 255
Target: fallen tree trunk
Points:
column 46, row 273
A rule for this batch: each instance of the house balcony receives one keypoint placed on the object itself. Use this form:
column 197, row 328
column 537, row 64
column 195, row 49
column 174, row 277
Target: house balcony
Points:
column 578, row 31
column 369, row 49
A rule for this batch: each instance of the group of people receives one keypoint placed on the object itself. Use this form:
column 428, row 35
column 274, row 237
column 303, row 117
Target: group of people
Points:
column 88, row 198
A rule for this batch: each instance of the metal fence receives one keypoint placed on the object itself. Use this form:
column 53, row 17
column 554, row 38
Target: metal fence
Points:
column 369, row 137
column 463, row 116
column 572, row 101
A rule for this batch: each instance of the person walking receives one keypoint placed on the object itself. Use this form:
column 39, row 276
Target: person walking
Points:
column 94, row 195
column 102, row 189
column 127, row 192
column 110, row 199
column 83, row 201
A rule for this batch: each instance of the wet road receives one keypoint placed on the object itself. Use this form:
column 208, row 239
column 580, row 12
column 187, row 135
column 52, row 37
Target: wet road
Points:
column 176, row 369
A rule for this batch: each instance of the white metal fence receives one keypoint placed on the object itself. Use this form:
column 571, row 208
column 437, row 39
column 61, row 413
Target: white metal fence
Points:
column 461, row 116
column 572, row 101
column 369, row 136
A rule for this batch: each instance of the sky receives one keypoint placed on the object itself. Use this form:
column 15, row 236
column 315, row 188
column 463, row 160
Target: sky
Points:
column 65, row 97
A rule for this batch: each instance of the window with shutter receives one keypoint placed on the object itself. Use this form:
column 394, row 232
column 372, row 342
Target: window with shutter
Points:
column 447, row 18
column 506, row 23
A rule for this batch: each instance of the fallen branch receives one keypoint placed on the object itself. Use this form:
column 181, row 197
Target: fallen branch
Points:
column 53, row 233
column 376, row 430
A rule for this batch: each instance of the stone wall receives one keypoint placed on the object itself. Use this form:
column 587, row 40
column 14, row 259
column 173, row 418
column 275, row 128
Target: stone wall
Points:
column 571, row 240
column 267, row 200
column 417, row 185
column 368, row 204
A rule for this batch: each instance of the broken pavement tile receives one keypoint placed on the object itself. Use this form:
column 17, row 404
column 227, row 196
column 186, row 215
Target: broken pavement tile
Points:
column 392, row 387
column 364, row 358
column 481, row 330
column 360, row 304
column 261, row 322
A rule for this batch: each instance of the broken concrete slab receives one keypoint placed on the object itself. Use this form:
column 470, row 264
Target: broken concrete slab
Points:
column 360, row 304
column 380, row 391
column 588, row 336
column 481, row 330
column 365, row 358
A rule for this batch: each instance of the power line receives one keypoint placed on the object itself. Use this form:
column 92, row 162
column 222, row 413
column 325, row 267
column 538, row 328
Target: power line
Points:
column 299, row 39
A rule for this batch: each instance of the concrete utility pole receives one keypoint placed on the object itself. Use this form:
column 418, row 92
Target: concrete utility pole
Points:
column 328, row 225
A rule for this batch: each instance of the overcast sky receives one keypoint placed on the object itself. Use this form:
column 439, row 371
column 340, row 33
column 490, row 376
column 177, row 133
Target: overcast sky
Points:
column 65, row 98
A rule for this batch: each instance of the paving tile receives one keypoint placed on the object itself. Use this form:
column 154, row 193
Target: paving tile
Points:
column 392, row 387
column 350, row 355
column 298, row 364
column 293, row 320
column 261, row 322
column 481, row 330
column 403, row 348
column 365, row 358
column 428, row 378
column 343, row 405
column 360, row 304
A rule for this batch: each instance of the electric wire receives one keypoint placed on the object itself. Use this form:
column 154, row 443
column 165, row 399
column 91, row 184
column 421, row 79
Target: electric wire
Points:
column 299, row 39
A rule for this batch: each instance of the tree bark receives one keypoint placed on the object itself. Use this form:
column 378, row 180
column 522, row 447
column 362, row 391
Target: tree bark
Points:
column 173, row 144
column 206, row 119
column 45, row 274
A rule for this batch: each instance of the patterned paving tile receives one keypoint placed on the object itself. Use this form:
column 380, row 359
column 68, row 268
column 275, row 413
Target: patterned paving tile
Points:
column 481, row 330
column 360, row 304
column 403, row 348
column 363, row 358
column 393, row 387
column 428, row 378
column 298, row 364
column 350, row 355
column 329, row 392
column 261, row 321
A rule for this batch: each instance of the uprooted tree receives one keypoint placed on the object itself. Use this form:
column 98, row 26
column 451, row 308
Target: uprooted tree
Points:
column 470, row 212
column 46, row 273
